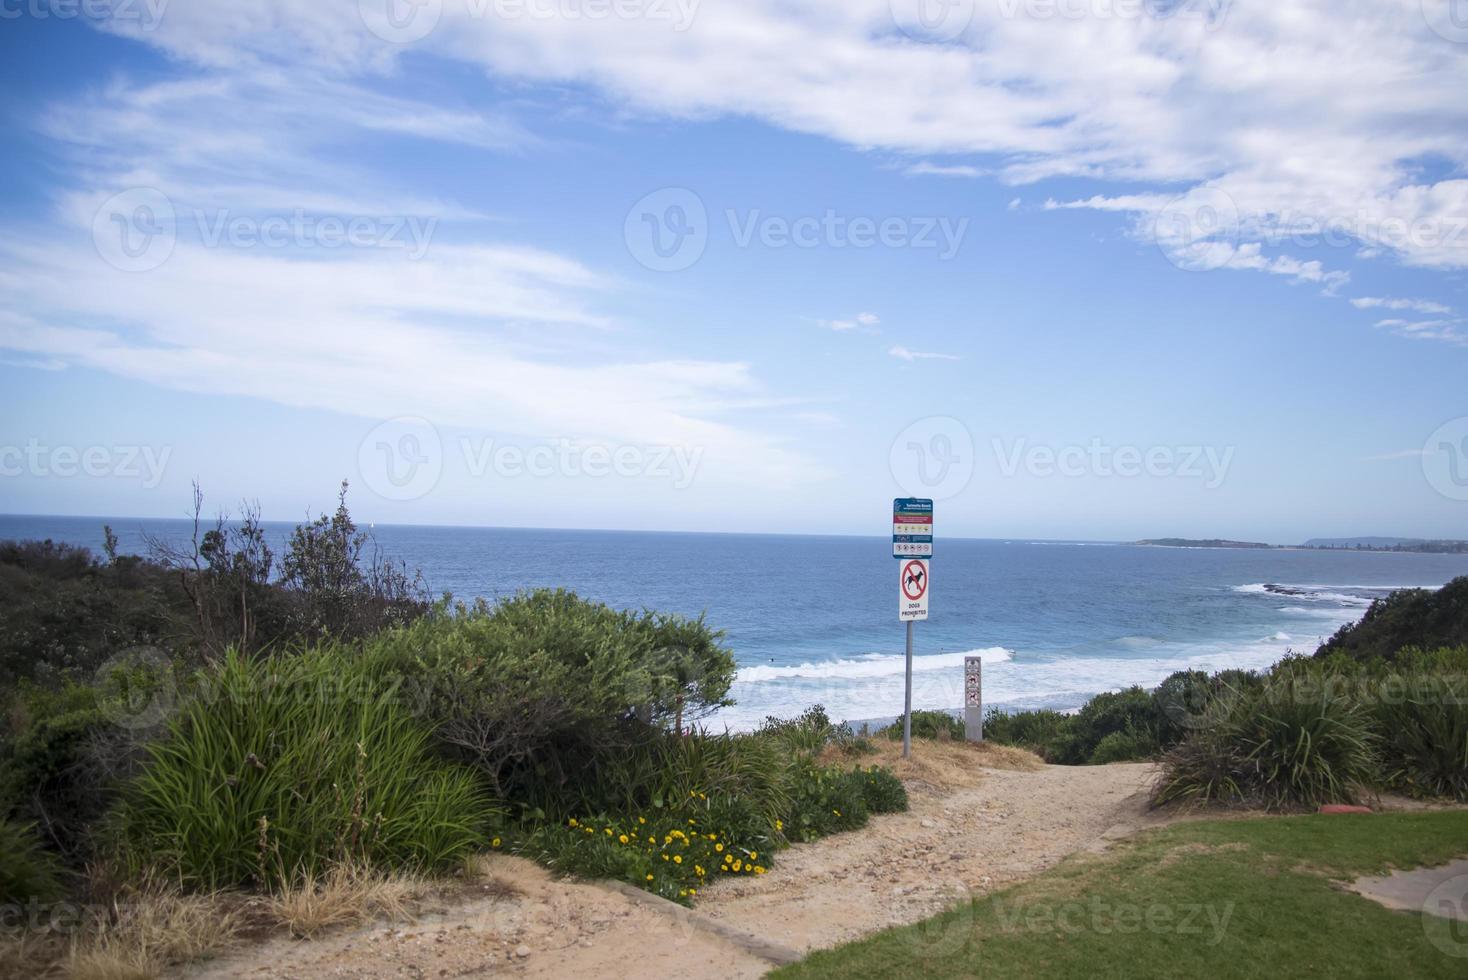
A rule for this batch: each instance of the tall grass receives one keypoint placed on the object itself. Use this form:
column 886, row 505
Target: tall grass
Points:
column 27, row 870
column 1423, row 721
column 1290, row 743
column 285, row 766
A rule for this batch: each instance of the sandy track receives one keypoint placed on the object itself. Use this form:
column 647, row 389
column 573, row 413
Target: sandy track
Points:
column 971, row 828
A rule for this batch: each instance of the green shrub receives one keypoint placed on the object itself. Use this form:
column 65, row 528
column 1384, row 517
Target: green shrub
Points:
column 61, row 765
column 882, row 791
column 1126, row 746
column 1422, row 718
column 672, row 853
column 1039, row 731
column 1407, row 618
column 1291, row 743
column 825, row 800
column 541, row 689
column 927, row 724
column 662, row 769
column 1133, row 711
column 27, row 870
column 283, row 765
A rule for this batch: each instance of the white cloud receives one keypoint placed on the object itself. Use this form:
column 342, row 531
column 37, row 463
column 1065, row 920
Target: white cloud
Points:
column 1400, row 454
column 1415, row 305
column 903, row 354
column 926, row 168
column 865, row 322
column 473, row 330
column 1314, row 117
column 1450, row 331
column 1249, row 256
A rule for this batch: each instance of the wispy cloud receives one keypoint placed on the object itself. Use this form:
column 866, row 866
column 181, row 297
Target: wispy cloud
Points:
column 1450, row 331
column 903, row 354
column 865, row 322
column 926, row 168
column 1415, row 305
column 473, row 329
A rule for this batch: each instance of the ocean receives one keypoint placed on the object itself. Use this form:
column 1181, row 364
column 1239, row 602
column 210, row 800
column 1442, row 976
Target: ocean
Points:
column 813, row 620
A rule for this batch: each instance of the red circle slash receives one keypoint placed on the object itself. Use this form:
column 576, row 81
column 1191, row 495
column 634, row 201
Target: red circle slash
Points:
column 914, row 580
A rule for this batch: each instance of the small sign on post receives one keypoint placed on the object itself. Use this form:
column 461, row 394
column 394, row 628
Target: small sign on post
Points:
column 912, row 544
column 973, row 698
column 912, row 590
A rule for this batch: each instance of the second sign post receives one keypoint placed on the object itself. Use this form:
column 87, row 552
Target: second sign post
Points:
column 912, row 546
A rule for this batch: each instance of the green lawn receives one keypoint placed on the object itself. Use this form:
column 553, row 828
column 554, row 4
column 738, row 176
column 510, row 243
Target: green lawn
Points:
column 1217, row 899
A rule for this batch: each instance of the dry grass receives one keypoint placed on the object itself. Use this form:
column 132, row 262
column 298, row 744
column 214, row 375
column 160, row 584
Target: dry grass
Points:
column 30, row 955
column 345, row 895
column 484, row 870
column 944, row 766
column 151, row 929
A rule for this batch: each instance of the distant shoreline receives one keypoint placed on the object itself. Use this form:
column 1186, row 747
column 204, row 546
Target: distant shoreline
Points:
column 1401, row 546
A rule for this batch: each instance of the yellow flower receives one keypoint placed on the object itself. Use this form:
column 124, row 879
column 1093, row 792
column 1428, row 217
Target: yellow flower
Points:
column 682, row 893
column 737, row 865
column 837, row 812
column 677, row 859
column 642, row 820
column 754, row 854
column 574, row 823
column 702, row 797
column 623, row 838
column 718, row 847
column 693, row 891
column 759, row 870
column 698, row 870
column 495, row 842
column 665, row 857
column 649, row 877
column 779, row 825
column 608, row 831
column 652, row 840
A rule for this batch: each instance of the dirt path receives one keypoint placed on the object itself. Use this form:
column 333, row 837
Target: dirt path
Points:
column 971, row 828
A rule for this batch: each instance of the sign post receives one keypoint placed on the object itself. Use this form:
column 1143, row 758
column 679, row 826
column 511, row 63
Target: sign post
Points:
column 912, row 545
column 973, row 698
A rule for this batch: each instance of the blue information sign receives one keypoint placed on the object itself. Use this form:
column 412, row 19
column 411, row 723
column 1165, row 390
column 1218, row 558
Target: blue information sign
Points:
column 912, row 527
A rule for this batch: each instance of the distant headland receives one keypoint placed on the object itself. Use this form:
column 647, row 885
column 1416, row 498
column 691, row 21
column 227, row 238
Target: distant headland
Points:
column 1407, row 545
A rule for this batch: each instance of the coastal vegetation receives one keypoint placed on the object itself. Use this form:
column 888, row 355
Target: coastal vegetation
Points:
column 1408, row 619
column 207, row 721
column 1381, row 706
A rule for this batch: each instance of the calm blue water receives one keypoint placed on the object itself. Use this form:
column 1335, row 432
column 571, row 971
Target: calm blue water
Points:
column 813, row 619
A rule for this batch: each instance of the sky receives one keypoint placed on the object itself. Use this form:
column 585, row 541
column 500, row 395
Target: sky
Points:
column 1076, row 269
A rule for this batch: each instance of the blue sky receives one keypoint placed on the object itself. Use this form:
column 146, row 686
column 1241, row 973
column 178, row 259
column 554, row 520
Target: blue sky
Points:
column 1063, row 271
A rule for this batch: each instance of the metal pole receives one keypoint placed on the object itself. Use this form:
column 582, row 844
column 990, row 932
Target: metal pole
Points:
column 907, row 700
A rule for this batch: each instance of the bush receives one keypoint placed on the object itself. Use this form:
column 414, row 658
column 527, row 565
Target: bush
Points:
column 927, row 724
column 882, row 791
column 283, row 765
column 1291, row 743
column 672, row 854
column 61, row 765
column 1126, row 746
column 1405, row 619
column 544, row 687
column 1039, row 731
column 1422, row 718
column 27, row 870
